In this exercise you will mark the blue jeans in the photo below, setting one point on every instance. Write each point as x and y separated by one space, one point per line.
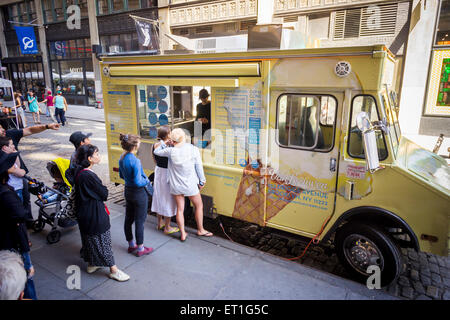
136 212
60 116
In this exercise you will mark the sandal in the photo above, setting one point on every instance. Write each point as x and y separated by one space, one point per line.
160 228
206 234
174 230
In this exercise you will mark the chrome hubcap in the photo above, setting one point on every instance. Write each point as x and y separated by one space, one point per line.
361 253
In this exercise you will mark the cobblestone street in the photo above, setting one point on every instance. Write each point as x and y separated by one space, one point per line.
425 277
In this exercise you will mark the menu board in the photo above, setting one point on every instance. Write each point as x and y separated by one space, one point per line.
238 118
121 115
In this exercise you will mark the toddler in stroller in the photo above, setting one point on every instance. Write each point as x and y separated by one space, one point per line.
52 201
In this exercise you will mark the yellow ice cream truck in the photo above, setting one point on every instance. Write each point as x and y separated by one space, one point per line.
305 141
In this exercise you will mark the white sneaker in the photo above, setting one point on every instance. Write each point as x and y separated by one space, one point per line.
119 276
92 269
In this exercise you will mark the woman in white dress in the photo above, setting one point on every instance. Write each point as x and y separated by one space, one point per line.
163 203
186 178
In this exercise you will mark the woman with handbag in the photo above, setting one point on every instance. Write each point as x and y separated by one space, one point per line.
13 232
136 193
92 215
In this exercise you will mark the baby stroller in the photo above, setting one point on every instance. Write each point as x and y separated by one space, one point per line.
52 201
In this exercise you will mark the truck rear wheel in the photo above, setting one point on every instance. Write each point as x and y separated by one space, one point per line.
359 246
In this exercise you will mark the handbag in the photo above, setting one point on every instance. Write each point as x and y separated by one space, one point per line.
69 209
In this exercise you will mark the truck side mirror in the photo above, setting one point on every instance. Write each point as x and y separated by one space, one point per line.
370 142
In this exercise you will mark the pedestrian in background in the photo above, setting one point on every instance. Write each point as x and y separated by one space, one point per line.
186 178
13 233
92 215
78 139
50 106
60 104
136 193
163 203
20 106
34 107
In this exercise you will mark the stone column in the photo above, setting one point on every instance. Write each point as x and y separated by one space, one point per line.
95 40
418 54
265 12
43 43
3 48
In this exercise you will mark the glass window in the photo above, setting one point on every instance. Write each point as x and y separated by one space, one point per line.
104 42
72 48
103 7
299 121
90 81
72 77
157 104
148 3
47 11
80 48
355 144
87 48
125 41
133 4
59 10
83 8
55 75
117 5
443 29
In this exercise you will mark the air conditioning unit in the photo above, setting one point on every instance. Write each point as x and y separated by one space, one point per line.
221 44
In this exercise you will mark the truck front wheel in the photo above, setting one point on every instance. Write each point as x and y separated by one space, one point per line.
360 246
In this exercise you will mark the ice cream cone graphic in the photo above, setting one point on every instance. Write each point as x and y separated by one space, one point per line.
260 195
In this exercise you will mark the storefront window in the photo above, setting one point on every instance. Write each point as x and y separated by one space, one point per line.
72 77
148 3
59 10
443 32
90 81
55 75
83 8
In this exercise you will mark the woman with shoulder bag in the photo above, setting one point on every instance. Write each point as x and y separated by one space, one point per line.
136 193
92 215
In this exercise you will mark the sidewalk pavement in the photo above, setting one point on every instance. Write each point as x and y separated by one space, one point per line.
198 269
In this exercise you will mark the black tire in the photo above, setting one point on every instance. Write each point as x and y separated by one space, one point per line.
374 247
54 236
38 225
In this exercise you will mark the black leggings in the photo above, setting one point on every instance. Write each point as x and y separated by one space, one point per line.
136 212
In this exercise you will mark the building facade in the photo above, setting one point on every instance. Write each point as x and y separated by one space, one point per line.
66 59
414 30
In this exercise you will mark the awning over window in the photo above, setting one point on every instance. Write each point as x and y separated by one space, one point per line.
207 70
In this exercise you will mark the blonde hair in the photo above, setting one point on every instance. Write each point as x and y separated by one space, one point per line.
178 135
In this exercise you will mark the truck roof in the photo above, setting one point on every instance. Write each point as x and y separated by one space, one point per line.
244 56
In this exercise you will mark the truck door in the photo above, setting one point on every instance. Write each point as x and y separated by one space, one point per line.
303 151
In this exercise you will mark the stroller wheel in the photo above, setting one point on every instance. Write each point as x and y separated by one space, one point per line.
38 225
54 236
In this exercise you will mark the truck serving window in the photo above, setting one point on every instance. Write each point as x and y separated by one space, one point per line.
355 144
306 121
174 106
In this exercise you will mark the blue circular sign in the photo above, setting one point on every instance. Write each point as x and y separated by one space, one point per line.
255 164
152 103
162 106
153 132
163 120
162 92
242 162
152 117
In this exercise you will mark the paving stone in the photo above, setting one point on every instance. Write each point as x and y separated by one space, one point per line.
432 259
394 289
423 262
436 278
408 292
425 272
422 297
426 281
447 282
404 281
446 295
413 255
441 262
418 287
415 265
433 292
434 268
415 275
